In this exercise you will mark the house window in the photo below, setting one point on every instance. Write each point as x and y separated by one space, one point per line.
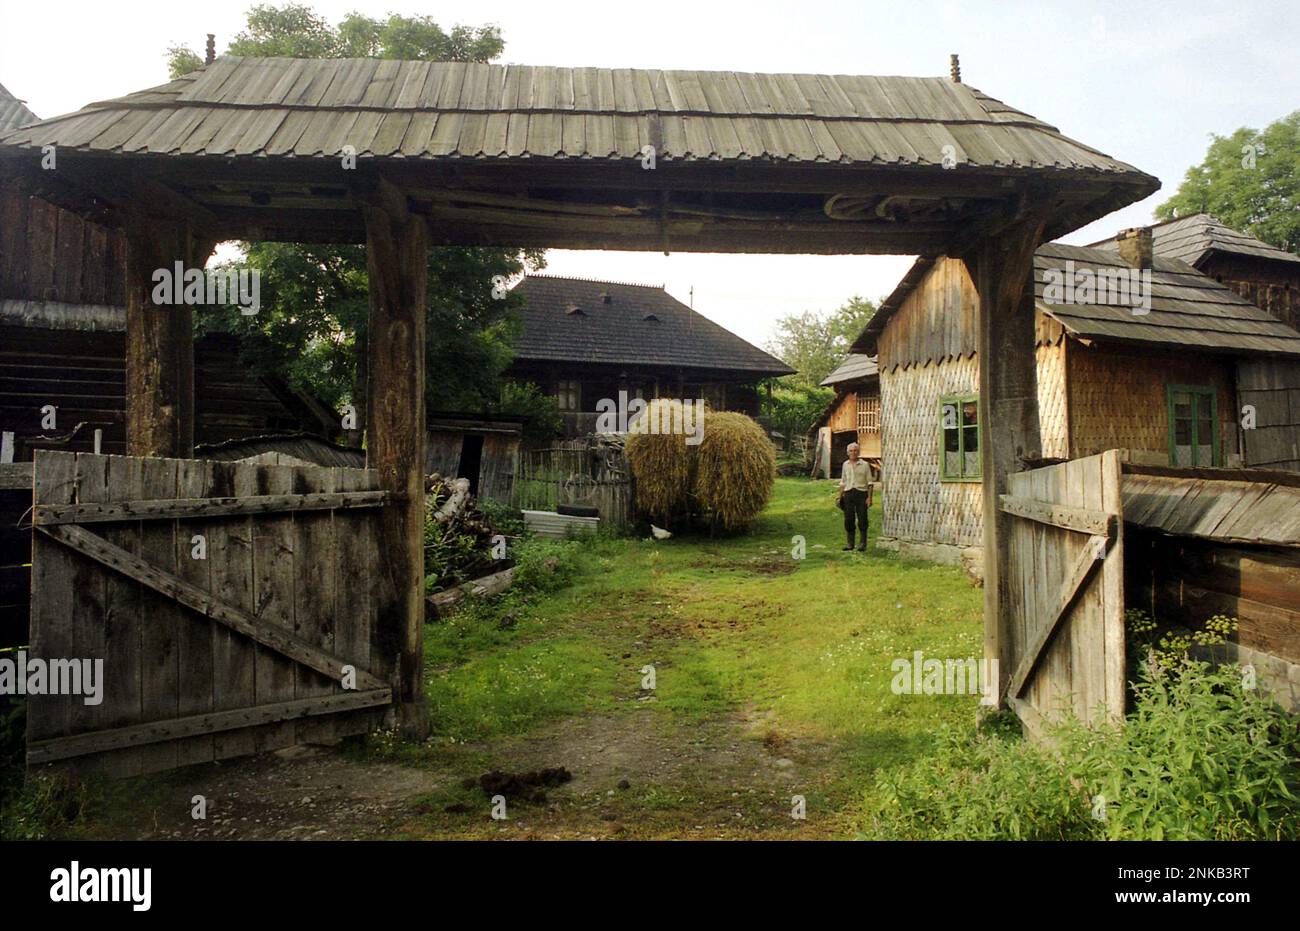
1193 426
567 393
959 431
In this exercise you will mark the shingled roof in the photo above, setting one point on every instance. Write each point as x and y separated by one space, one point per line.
420 109
1192 239
13 113
855 368
1189 309
579 320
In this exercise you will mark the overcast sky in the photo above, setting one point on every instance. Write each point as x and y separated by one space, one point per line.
1145 82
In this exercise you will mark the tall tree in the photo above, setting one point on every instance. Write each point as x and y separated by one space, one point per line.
814 345
314 298
1250 180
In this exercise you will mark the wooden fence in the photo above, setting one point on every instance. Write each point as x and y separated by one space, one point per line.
224 598
577 473
1063 645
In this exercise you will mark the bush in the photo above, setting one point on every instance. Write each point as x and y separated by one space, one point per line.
458 549
1199 757
544 565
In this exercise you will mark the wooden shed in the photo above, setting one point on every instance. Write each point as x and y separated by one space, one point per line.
1158 381
484 450
852 416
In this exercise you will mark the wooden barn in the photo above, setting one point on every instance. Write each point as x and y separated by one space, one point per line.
484 450
852 416
585 341
1162 384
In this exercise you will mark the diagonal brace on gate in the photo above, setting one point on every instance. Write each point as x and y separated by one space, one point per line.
237 619
1086 563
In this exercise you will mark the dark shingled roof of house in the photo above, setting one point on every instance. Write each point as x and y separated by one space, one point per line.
1191 239
855 368
579 320
1189 309
13 113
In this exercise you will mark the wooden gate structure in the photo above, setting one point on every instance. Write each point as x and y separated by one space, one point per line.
402 155
1062 648
224 598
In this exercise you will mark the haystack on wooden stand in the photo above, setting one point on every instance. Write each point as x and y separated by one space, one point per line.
476 154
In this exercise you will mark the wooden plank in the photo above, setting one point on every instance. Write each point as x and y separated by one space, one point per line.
97 633
315 564
356 555
1082 520
162 544
139 735
16 476
275 560
1115 667
234 658
1084 565
207 507
193 635
54 597
224 613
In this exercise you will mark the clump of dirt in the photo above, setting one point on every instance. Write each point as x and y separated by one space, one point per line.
528 786
762 565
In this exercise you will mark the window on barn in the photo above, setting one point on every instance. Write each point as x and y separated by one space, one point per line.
959 430
568 395
868 413
1193 426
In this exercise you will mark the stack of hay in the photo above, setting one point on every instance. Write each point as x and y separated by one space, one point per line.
724 480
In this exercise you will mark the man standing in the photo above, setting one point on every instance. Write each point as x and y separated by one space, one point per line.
855 495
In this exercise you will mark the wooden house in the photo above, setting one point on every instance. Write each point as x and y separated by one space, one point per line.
585 341
1160 383
852 416
1269 278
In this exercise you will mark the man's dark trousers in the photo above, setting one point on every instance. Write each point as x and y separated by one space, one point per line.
855 511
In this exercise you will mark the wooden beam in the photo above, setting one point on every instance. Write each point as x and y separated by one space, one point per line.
397 262
177 589
159 343
139 735
158 509
1059 515
1008 421
1085 564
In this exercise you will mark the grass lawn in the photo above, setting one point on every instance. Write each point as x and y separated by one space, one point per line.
771 680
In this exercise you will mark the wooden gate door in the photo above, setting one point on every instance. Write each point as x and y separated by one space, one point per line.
234 606
1064 649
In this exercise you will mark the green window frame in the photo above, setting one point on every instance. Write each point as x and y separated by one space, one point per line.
1193 409
959 438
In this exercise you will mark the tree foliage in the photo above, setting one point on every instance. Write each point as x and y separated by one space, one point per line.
314 298
814 345
1250 180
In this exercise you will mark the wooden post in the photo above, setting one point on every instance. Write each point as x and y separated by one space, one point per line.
396 258
1008 422
159 342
